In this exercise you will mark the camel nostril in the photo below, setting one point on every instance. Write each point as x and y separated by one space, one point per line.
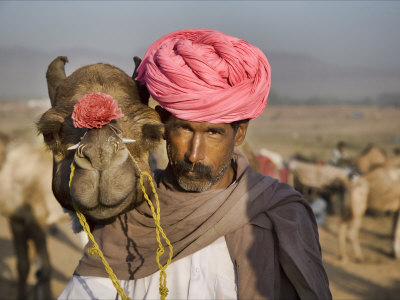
79 151
116 146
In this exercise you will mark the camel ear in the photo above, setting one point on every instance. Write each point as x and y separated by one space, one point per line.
152 134
142 89
137 60
55 75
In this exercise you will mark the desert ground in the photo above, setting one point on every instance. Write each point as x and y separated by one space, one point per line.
310 130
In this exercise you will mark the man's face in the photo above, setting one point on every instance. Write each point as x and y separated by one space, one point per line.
200 153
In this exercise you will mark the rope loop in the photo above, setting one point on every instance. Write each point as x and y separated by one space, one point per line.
156 216
93 251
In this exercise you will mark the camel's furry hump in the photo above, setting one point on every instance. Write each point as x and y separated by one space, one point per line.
25 180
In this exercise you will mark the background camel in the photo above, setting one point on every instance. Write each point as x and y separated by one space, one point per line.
370 158
330 182
28 203
379 190
316 180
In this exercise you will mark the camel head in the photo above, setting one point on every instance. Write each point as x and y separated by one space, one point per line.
370 158
107 160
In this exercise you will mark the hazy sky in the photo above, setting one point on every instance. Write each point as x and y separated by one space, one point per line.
354 33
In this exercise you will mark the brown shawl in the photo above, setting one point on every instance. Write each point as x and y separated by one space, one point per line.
270 232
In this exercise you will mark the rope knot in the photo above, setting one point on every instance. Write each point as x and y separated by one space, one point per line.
163 292
93 251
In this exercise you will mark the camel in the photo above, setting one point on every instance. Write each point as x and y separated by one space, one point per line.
378 189
28 204
106 182
97 171
317 176
370 158
314 180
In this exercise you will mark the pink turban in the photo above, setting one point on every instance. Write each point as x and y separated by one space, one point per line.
206 76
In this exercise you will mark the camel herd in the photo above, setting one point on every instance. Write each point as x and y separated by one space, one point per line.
32 183
375 185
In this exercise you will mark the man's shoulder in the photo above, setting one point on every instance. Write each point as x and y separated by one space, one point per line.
280 192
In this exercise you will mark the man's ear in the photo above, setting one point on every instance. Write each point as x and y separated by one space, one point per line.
164 114
241 133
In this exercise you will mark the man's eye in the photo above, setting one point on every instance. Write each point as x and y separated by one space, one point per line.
48 137
213 132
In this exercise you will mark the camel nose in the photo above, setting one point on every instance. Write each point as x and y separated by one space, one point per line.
98 149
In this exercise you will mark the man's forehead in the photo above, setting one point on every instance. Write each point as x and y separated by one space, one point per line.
176 121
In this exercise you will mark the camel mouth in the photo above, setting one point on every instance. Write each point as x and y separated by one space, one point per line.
102 194
105 214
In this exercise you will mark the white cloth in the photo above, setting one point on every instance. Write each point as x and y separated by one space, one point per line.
207 274
336 156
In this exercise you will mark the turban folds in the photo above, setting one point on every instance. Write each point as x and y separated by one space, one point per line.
206 76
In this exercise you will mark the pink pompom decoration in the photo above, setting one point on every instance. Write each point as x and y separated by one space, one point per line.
95 110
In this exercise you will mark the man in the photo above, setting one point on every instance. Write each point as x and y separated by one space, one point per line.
235 233
338 155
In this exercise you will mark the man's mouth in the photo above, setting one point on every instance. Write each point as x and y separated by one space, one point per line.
193 175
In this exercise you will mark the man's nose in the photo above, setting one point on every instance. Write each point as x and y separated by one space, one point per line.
196 150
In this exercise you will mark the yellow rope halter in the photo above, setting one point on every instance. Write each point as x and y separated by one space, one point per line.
160 250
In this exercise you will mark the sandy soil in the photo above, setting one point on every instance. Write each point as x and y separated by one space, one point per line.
376 278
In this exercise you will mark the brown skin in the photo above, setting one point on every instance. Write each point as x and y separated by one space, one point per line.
200 153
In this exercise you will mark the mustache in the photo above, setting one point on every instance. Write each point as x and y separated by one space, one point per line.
184 167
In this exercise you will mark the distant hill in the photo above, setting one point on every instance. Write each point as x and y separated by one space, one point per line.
302 77
296 78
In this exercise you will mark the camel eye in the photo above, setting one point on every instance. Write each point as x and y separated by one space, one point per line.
48 137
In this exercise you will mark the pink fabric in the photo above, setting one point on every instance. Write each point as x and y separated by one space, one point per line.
206 76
